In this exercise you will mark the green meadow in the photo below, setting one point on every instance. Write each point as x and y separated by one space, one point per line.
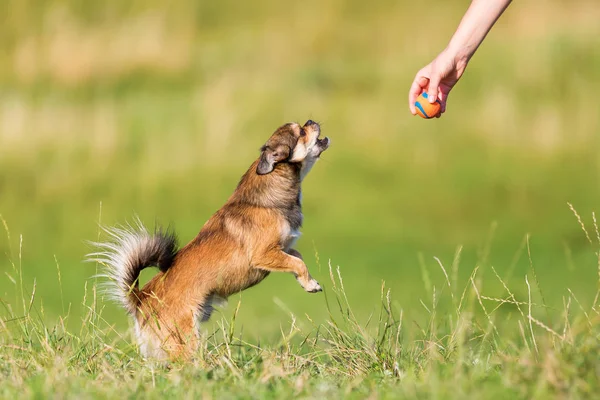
481 224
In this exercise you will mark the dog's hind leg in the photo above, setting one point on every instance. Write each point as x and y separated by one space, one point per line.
211 302
182 340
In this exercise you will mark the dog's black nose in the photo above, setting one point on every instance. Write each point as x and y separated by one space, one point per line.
310 122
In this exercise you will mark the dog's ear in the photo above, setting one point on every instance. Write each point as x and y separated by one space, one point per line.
269 157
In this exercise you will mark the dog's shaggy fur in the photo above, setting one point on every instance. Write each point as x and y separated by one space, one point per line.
250 236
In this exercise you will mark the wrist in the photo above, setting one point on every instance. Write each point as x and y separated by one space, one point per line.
460 54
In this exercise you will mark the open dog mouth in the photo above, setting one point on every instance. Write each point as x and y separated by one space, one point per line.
322 145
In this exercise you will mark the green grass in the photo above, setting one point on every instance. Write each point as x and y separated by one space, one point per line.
110 109
474 347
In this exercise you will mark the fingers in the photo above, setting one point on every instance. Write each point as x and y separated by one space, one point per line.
444 92
433 89
442 98
417 87
433 80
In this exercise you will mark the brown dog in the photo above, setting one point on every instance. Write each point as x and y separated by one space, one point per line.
252 235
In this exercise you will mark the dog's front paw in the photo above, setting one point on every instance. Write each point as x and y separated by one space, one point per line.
313 286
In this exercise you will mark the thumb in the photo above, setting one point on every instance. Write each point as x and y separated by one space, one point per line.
434 84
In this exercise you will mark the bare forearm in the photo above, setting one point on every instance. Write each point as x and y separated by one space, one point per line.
439 76
475 25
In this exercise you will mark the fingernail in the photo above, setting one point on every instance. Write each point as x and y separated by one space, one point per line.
432 98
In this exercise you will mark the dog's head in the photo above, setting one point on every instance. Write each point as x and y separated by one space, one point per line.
293 143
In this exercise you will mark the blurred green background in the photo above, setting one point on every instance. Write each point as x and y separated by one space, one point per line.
113 108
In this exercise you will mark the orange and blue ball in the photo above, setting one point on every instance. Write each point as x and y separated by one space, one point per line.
426 109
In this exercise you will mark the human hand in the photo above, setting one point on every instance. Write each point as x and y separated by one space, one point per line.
437 79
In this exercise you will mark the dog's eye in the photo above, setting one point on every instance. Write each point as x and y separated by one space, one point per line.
302 133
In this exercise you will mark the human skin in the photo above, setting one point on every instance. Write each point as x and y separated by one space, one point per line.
439 76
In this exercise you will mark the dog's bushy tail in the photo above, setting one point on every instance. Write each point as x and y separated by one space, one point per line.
129 250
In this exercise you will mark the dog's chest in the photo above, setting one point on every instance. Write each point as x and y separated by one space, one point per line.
289 238
292 222
290 231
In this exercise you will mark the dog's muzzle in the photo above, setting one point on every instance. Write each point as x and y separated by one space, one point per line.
323 144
